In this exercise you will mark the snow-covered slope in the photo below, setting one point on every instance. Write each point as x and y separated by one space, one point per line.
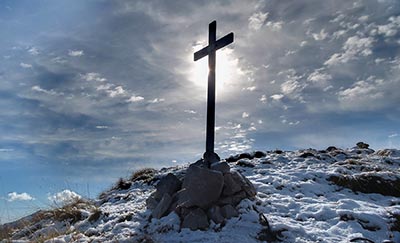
304 195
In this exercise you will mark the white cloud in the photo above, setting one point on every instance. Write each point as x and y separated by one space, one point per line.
93 77
118 91
393 135
391 28
290 87
101 127
245 115
362 95
257 20
353 47
263 99
25 65
59 60
320 36
41 90
275 26
33 51
319 78
6 150
135 98
277 96
104 87
75 53
251 88
190 111
363 18
157 100
13 196
64 197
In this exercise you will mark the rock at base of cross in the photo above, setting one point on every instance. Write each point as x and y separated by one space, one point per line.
205 194
210 157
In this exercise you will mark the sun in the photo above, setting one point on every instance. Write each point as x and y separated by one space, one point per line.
226 70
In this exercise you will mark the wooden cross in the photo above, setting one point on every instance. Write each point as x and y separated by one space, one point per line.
213 45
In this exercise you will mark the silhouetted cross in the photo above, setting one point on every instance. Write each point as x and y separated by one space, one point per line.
213 45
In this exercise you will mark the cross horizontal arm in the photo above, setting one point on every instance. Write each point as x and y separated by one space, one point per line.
200 54
224 41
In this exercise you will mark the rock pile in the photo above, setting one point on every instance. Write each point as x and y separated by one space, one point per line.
204 194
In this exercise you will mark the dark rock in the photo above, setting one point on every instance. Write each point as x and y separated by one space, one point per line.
246 185
306 155
259 154
230 185
223 167
228 211
195 219
278 151
210 157
238 197
331 148
202 187
246 156
168 184
214 213
162 206
151 202
362 145
232 158
245 163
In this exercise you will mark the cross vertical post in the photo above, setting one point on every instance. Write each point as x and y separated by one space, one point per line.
213 45
212 36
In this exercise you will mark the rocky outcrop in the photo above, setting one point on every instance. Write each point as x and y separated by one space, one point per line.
204 194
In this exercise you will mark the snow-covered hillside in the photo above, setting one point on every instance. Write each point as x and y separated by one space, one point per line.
334 195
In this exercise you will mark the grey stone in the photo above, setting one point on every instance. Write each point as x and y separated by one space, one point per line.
221 166
228 211
195 219
151 202
246 185
245 163
238 197
168 184
202 187
232 200
162 206
230 185
214 213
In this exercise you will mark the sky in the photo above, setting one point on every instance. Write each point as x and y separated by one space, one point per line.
93 90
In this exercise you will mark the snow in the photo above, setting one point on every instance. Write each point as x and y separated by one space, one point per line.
294 194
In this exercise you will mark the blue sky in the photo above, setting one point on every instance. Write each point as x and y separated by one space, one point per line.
92 90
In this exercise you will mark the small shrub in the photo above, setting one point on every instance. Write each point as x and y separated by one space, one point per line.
95 215
123 184
146 175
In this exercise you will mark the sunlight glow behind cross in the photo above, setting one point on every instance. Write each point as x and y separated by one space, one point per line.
226 72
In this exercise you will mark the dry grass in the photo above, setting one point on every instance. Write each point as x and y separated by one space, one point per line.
369 183
5 233
32 229
146 175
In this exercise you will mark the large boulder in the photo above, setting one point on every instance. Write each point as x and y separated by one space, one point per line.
201 187
214 214
195 219
168 184
246 185
223 167
162 207
230 185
